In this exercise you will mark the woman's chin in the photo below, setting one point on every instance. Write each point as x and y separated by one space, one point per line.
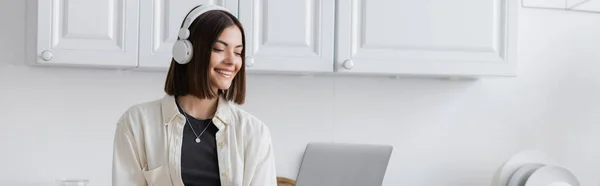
222 86
222 82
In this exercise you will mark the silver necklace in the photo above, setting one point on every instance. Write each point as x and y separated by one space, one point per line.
198 140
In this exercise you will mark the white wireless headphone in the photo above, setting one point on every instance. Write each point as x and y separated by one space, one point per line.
183 49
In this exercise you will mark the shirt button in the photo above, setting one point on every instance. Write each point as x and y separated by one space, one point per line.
221 144
224 174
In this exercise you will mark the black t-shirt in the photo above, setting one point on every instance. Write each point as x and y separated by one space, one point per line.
199 161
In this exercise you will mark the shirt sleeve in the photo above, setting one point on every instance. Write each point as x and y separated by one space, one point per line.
262 158
126 167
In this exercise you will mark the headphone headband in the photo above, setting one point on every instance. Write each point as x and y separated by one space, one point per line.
189 19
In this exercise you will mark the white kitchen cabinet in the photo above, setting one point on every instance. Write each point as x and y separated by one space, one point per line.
289 35
99 33
427 37
160 21
374 37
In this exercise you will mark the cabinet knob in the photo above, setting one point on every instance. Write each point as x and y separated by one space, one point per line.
348 64
249 61
46 55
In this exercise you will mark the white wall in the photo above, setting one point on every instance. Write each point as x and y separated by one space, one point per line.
447 133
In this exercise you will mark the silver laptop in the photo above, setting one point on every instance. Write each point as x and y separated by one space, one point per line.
343 164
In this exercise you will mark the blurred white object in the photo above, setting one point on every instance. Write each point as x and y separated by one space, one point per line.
73 182
552 176
533 168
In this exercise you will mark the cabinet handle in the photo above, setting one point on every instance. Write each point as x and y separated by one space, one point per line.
348 64
46 55
249 61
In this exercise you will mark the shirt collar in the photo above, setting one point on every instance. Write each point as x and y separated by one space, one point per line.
170 111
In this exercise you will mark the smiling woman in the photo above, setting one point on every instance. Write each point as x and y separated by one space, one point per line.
214 62
197 134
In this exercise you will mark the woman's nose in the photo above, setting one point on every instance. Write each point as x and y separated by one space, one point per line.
229 58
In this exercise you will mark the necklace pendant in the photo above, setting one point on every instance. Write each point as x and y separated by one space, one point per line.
198 140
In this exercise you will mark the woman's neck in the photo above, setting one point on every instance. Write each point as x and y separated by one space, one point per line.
198 108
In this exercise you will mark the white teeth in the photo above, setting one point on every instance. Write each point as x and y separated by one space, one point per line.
225 73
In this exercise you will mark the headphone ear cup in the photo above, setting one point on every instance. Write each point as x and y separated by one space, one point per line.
182 51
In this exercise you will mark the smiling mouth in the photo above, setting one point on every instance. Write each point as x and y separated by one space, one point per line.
224 73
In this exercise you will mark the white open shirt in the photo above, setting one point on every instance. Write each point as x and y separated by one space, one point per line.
147 146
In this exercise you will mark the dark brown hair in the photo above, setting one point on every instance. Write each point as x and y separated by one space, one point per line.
193 77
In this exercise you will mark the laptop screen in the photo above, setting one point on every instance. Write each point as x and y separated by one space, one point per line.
343 164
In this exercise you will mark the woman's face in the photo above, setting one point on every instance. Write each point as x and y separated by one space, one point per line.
225 59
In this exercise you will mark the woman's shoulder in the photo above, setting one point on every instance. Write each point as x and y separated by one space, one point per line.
247 121
244 116
136 111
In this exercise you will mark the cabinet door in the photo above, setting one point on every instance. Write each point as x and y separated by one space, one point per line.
160 22
100 33
427 37
288 35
